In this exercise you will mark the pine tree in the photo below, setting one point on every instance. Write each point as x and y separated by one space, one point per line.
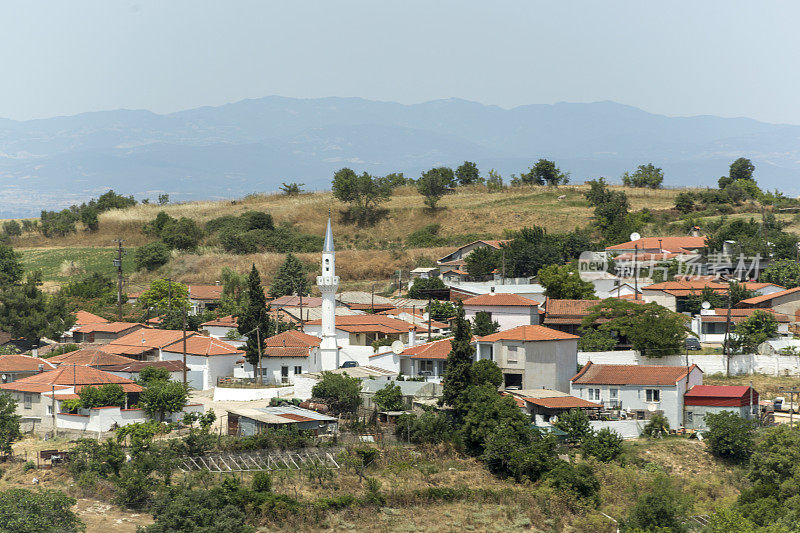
457 377
290 278
255 315
482 324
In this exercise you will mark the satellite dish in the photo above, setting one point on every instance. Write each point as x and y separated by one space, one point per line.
651 407
397 347
706 305
635 236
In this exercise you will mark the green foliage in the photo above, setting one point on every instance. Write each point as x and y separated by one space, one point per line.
291 278
485 410
151 256
494 181
291 189
91 287
728 520
58 223
441 310
60 350
255 316
730 436
41 511
596 340
432 427
339 391
27 312
12 228
653 330
657 427
486 372
364 193
233 299
426 237
102 396
458 374
467 174
103 459
742 169
9 423
644 176
151 374
519 452
434 183
563 282
182 234
579 480
254 231
605 445
262 482
531 249
420 285
544 172
163 199
481 262
164 294
766 238
389 398
754 330
160 397
783 272
482 324
684 202
11 270
28 466
662 508
575 423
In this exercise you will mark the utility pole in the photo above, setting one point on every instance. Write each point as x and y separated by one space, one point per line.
725 346
118 264
185 384
503 270
430 312
169 294
635 271
300 292
258 342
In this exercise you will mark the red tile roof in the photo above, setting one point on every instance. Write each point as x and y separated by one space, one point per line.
225 322
90 357
430 350
148 339
294 301
563 402
203 346
205 292
740 315
592 374
23 363
137 366
293 338
286 351
84 317
370 323
69 375
562 308
767 297
689 287
528 333
671 244
109 327
499 299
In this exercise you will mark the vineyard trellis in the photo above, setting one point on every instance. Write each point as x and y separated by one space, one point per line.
255 461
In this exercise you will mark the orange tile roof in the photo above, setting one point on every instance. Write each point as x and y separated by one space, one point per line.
137 366
204 346
90 357
671 244
125 350
569 307
767 297
23 363
84 317
690 287
109 327
205 292
592 374
370 323
528 333
646 256
499 299
293 338
70 375
286 351
294 301
225 322
148 338
430 350
19 386
739 315
563 402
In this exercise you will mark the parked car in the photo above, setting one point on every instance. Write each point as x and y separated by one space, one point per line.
349 364
692 343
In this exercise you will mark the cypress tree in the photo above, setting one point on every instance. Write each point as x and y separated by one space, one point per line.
457 377
290 278
255 315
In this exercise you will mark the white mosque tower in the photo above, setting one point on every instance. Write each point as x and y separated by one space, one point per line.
328 284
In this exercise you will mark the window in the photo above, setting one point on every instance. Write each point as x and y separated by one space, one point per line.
653 395
512 354
613 394
594 394
264 372
49 410
27 400
298 370
284 371
426 366
689 417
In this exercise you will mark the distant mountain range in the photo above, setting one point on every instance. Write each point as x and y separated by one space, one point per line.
254 145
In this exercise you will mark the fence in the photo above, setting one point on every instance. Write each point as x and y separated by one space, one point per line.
255 461
741 364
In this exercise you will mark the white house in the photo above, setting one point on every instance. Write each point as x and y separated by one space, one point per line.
428 360
532 357
710 324
286 355
638 390
783 301
225 328
208 359
508 310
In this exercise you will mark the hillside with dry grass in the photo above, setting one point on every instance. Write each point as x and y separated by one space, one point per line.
367 254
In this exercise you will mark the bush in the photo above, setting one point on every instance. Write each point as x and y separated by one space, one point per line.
262 482
662 508
605 445
42 511
28 466
730 436
432 427
151 256
578 479
526 454
575 423
182 234
657 427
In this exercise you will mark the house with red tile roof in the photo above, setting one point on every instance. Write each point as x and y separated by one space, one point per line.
702 400
208 359
428 360
144 344
673 294
638 390
710 324
543 404
531 357
363 330
18 366
286 355
225 328
457 258
786 302
93 357
687 244
104 332
507 309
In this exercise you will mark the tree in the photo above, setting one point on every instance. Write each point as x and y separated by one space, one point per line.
510 451
532 248
339 391
89 219
441 310
661 508
485 410
565 283
657 427
163 199
364 193
389 398
730 436
9 423
575 423
218 510
482 324
481 262
27 312
11 270
651 329
434 183
163 295
605 445
290 279
181 234
578 479
486 372
102 396
752 331
544 172
160 397
742 169
151 256
152 373
468 174
782 272
292 189
494 182
41 511
12 228
644 176
234 292
457 376
684 202
255 316
597 341
421 285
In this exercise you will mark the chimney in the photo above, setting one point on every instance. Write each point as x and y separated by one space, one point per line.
412 336
491 289
41 368
216 283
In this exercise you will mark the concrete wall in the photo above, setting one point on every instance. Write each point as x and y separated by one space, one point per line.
661 298
230 394
773 365
211 367
695 414
550 364
104 419
508 316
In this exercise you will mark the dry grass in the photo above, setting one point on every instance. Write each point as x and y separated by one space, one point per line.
767 386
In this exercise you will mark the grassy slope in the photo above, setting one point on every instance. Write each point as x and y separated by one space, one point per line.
368 253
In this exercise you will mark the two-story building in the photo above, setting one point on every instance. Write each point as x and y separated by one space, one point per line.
508 310
710 324
786 302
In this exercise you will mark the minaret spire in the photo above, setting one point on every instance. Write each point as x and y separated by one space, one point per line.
328 284
328 246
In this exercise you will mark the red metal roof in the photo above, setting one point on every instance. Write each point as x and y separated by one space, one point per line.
592 374
721 396
767 297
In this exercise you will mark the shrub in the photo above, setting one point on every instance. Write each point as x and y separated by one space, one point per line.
606 445
262 482
657 427
578 479
151 256
28 466
45 510
575 423
730 436
182 234
662 508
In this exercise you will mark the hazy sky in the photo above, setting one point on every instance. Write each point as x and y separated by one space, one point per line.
729 58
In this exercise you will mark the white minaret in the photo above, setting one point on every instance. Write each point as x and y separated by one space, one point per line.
328 284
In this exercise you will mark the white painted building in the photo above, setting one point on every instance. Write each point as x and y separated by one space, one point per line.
508 310
208 359
710 324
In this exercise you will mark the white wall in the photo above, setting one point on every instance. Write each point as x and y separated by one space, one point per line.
105 418
773 365
212 367
387 360
230 394
508 316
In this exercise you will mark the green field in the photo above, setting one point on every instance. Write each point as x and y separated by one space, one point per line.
61 264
